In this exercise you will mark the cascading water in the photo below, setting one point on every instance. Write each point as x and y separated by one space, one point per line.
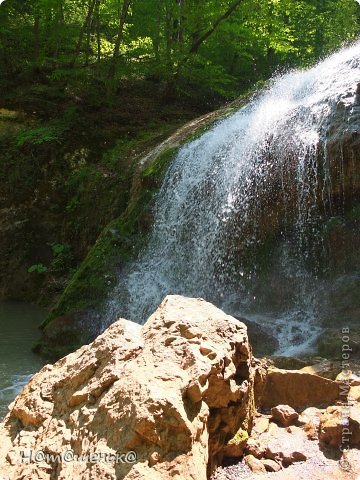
238 212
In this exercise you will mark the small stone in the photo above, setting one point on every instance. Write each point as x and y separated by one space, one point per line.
255 448
205 349
354 394
261 425
271 465
310 415
311 431
254 464
284 415
154 458
12 457
299 457
194 392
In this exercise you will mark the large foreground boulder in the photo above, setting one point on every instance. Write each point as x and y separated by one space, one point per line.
174 392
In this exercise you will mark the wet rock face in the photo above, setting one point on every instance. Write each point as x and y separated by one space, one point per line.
173 391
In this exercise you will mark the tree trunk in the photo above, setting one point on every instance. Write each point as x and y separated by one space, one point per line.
36 38
169 24
83 30
88 38
122 19
156 36
98 40
179 41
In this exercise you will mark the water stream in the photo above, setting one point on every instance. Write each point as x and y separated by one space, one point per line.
251 185
19 330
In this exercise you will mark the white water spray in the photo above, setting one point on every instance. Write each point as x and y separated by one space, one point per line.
225 194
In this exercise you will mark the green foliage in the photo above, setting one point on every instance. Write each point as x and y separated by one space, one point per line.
194 47
240 437
119 243
62 257
37 268
38 136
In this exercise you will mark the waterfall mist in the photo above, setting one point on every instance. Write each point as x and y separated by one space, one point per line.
239 215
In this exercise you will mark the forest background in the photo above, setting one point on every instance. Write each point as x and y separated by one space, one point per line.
89 85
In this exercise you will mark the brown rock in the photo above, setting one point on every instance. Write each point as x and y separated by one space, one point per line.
254 464
285 446
271 465
340 425
311 414
234 449
284 415
310 419
236 445
255 447
173 391
261 424
298 389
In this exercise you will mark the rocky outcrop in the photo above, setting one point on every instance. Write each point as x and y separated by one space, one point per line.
174 391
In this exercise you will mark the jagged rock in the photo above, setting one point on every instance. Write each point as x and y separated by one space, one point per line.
236 445
298 389
174 391
284 415
340 425
310 420
311 414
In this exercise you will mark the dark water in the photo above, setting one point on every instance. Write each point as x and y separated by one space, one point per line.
18 331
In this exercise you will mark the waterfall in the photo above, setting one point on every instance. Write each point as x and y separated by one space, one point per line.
237 217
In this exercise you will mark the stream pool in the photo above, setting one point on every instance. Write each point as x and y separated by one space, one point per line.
19 324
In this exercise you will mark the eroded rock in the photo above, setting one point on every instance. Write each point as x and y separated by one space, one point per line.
174 391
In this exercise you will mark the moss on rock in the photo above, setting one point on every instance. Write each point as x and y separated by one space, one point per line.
68 324
118 244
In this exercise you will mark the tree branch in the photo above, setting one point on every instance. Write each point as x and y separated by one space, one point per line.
196 44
